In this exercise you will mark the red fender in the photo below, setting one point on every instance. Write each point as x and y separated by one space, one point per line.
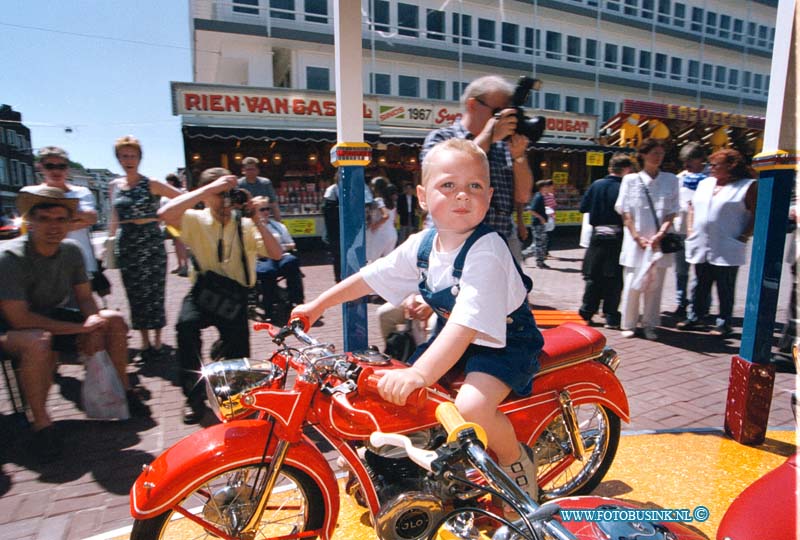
587 382
206 453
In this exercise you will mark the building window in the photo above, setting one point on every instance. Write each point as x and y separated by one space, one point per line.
720 77
12 169
434 23
609 110
757 80
381 84
663 11
762 36
631 8
3 171
746 81
458 89
679 14
645 62
751 33
318 78
707 73
612 5
317 11
697 19
462 26
647 9
738 29
675 69
510 37
486 33
661 66
282 9
628 59
591 52
2 138
724 26
552 102
408 86
693 75
436 89
533 41
248 7
407 20
573 49
711 23
572 104
28 175
380 15
733 79
611 56
552 41
589 106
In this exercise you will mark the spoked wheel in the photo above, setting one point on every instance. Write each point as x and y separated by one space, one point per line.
560 473
226 502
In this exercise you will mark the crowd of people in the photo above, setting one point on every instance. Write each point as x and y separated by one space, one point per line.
438 253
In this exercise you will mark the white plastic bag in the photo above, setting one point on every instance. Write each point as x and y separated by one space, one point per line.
102 393
550 225
586 231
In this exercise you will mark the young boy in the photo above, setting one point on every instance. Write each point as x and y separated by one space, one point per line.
466 273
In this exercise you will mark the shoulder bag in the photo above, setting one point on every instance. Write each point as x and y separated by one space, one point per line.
671 242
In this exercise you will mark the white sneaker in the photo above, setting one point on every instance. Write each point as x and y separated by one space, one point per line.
523 472
650 333
627 334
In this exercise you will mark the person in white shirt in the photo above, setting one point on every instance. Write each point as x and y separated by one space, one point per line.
288 266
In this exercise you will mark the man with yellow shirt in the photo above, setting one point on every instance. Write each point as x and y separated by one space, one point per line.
224 246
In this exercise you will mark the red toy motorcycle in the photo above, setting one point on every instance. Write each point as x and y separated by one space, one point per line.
260 474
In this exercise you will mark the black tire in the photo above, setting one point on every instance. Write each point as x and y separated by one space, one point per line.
600 429
293 486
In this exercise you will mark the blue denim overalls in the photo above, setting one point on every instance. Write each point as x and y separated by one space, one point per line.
518 361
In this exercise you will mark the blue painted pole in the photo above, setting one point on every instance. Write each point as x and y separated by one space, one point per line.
766 262
353 254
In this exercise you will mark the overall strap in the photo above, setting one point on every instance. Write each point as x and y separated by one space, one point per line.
425 247
458 264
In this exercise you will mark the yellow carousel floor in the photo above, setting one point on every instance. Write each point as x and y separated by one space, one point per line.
665 470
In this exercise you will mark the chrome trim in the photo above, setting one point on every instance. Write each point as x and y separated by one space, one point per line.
610 358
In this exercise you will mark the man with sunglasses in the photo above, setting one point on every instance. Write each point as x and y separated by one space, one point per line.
491 123
216 236
54 167
288 266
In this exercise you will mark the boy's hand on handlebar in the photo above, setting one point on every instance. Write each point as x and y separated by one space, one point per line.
309 311
396 384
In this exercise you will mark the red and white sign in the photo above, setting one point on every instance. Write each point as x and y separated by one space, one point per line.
294 105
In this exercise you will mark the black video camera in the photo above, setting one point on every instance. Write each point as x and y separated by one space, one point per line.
238 197
532 128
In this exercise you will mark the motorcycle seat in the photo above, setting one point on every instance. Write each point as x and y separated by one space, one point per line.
564 345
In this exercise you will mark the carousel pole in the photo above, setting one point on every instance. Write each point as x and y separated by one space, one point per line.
751 375
350 155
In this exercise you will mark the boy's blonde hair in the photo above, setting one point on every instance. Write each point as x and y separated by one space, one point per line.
453 145
209 175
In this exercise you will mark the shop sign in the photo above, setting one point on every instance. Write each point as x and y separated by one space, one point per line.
595 159
560 178
279 105
568 217
301 226
692 114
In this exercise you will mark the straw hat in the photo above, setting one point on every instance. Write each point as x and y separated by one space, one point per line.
43 194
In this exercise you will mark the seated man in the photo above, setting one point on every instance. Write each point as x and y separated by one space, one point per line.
288 266
41 273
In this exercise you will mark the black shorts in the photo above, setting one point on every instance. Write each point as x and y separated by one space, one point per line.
67 343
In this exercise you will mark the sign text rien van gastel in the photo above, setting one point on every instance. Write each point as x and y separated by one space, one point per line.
280 105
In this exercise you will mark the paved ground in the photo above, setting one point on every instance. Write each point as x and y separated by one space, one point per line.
678 382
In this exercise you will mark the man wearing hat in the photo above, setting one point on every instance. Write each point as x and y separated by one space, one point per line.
42 274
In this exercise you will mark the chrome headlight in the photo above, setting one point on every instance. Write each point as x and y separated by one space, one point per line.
610 358
228 380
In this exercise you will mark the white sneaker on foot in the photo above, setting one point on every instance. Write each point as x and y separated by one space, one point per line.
523 472
627 334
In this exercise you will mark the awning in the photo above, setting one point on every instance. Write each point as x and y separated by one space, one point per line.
575 147
242 133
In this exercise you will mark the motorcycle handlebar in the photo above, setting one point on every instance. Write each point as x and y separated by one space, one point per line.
454 423
368 382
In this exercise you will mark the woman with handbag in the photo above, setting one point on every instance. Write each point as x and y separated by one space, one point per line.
720 222
648 201
139 242
224 249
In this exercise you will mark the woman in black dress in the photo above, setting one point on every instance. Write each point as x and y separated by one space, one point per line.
140 249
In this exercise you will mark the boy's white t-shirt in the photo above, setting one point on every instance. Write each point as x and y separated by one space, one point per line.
490 287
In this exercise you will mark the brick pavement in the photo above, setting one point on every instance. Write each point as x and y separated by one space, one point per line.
678 382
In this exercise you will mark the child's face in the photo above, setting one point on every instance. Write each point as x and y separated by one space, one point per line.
457 192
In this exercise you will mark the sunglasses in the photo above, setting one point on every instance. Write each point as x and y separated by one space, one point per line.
264 209
55 166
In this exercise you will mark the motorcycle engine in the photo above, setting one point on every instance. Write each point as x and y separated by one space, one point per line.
409 516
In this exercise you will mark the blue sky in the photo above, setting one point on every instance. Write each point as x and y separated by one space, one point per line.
101 87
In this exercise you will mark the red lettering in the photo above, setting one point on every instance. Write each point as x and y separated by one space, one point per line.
265 105
216 103
191 101
204 101
298 106
232 103
445 117
314 108
329 108
251 102
281 106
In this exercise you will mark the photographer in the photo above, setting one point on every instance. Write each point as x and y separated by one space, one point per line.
491 121
224 248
